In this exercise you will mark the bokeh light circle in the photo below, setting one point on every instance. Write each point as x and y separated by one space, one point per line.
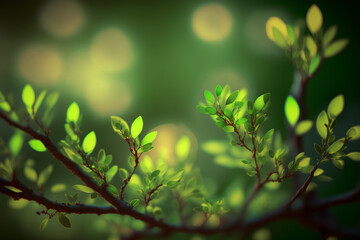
41 65
212 22
62 18
108 97
112 51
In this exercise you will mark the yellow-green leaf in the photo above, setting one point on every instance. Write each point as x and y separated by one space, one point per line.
83 188
314 19
318 172
336 146
136 127
336 106
28 96
354 156
321 121
120 126
37 145
59 187
275 22
30 173
311 45
335 47
73 113
149 138
353 133
292 110
279 38
39 101
44 223
303 127
329 35
89 142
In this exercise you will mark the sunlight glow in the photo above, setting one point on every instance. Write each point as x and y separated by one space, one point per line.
62 18
212 22
112 51
108 97
41 65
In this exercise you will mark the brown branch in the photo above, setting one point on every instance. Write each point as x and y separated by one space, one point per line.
28 194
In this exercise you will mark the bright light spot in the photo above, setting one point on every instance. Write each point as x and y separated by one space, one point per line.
168 137
112 51
62 18
212 22
108 97
236 197
262 234
41 65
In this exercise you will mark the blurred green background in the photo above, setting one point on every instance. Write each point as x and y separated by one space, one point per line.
155 58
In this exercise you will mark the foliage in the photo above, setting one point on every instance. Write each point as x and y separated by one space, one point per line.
259 153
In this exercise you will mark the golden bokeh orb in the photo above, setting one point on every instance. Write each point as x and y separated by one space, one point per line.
112 51
107 97
40 65
62 18
212 22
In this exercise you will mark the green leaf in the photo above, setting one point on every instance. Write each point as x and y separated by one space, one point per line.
149 138
134 203
120 126
314 19
101 155
83 188
269 134
113 190
176 176
110 174
73 113
64 220
279 38
353 133
44 223
318 148
335 47
131 161
5 106
89 142
28 97
37 145
44 175
303 127
321 121
146 147
261 101
318 172
59 187
291 34
210 110
292 110
18 204
314 64
232 97
155 173
336 106
39 100
336 146
15 143
338 163
354 156
123 173
251 173
209 97
218 90
136 127
51 100
182 148
30 173
329 35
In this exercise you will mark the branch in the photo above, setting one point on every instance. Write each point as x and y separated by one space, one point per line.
28 194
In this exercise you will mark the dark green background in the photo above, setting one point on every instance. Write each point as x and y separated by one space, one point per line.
171 71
